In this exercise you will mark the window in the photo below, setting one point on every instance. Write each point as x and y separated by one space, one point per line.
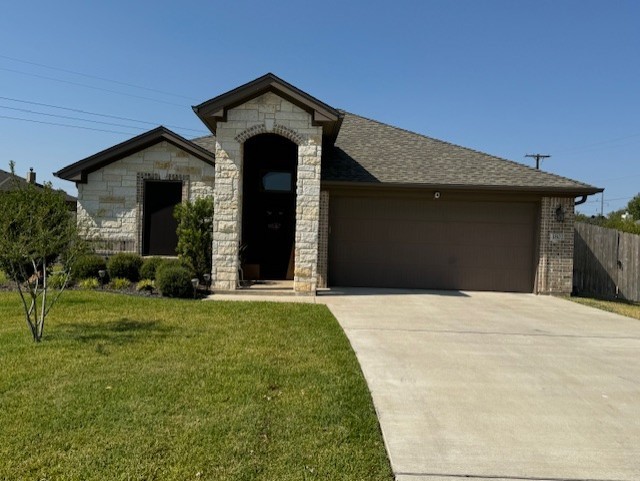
276 182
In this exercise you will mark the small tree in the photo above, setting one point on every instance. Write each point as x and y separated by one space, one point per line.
36 229
634 207
195 234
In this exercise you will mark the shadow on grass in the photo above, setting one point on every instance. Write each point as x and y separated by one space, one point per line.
117 332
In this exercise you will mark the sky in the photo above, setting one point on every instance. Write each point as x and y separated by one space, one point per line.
505 77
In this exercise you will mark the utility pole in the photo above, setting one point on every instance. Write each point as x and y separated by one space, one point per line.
538 158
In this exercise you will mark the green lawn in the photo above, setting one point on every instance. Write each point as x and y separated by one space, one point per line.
619 307
129 388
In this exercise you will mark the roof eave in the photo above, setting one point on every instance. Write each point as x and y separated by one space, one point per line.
542 190
78 171
215 110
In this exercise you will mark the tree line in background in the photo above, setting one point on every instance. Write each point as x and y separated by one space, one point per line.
625 220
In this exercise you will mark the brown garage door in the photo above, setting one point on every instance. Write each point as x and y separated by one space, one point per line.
424 243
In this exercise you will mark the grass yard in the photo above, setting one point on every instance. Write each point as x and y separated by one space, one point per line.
618 307
131 388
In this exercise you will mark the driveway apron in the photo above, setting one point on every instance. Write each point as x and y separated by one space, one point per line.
494 386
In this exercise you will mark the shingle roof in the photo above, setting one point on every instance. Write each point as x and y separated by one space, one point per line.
367 151
8 182
207 142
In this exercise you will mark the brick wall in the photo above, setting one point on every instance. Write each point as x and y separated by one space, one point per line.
555 265
267 113
110 204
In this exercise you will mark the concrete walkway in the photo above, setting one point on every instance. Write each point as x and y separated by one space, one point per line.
491 386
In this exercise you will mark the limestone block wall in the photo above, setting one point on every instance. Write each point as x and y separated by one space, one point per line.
110 204
555 265
267 113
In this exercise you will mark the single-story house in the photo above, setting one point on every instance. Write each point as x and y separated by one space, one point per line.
9 182
303 190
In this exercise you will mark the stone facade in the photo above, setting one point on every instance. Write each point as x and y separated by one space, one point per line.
267 113
555 263
110 204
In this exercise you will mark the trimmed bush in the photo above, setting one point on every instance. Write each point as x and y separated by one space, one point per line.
174 263
120 284
174 281
89 283
145 285
56 280
125 265
149 267
88 266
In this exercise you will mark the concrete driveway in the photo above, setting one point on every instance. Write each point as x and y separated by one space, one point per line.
492 386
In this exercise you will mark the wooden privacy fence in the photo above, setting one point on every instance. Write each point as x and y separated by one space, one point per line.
606 263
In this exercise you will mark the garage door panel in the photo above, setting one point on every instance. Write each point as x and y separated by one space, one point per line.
421 243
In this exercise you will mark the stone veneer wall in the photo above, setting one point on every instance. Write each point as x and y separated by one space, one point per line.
267 113
110 204
555 265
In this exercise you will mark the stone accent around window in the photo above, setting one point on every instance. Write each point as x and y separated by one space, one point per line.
555 264
110 204
267 113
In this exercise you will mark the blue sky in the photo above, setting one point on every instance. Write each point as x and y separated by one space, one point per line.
509 78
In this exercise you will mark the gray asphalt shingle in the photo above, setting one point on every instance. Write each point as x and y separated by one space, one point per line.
369 151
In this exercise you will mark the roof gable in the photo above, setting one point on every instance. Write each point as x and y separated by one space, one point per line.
215 110
78 171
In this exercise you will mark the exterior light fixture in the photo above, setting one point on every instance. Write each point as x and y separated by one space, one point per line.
102 273
559 213
194 283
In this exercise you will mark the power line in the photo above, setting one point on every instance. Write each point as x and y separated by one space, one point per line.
78 84
95 77
99 115
597 145
65 125
69 117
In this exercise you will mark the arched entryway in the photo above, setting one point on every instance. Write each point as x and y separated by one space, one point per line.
269 207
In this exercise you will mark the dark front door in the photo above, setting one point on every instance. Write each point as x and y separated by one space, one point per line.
159 235
269 205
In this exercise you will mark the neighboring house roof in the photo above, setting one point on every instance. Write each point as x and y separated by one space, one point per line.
367 151
78 171
207 142
8 182
214 110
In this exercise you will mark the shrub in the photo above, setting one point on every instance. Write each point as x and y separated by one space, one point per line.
120 283
89 283
174 281
56 280
88 266
145 285
4 280
126 265
149 267
195 231
166 263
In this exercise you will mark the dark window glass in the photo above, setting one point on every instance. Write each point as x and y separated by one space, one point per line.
277 182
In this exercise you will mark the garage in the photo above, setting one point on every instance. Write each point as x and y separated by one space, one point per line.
423 242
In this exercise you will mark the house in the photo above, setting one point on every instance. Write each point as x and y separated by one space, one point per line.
9 181
306 191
